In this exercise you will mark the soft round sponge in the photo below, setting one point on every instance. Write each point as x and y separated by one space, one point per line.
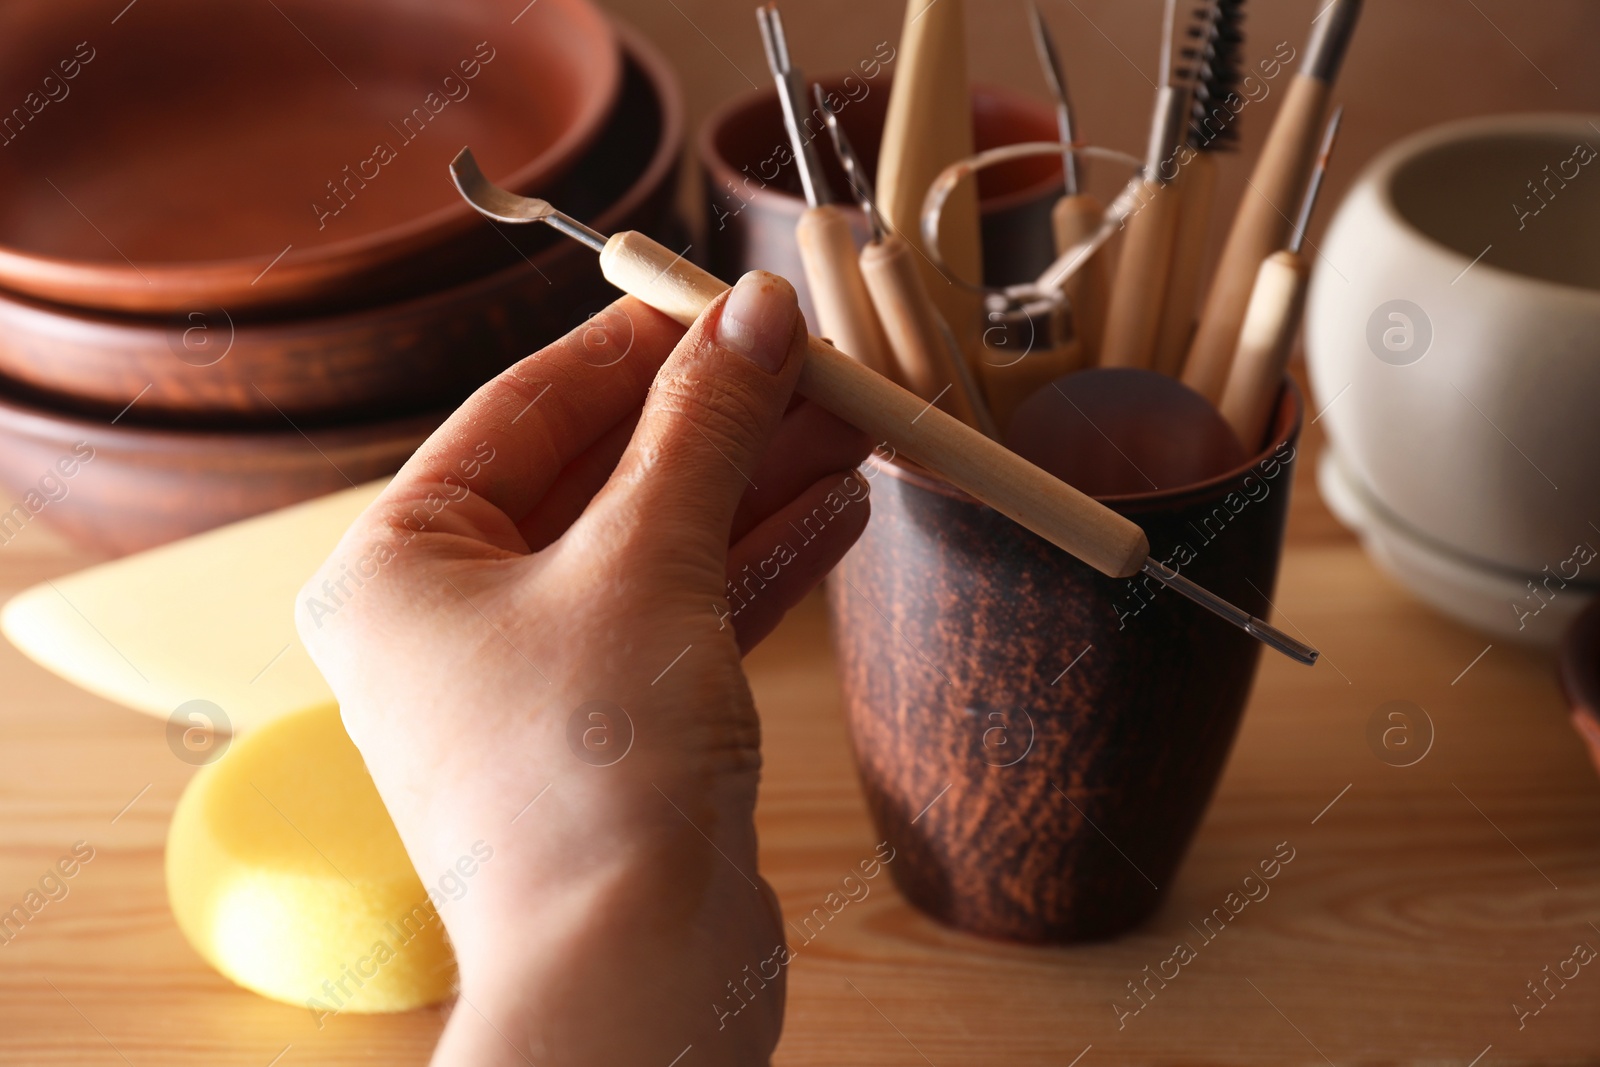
285 872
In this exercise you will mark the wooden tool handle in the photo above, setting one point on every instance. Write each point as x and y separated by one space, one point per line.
1260 228
922 347
1196 183
927 127
844 308
1265 340
1138 293
1073 219
1005 481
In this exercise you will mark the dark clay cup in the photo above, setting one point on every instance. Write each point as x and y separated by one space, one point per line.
1038 742
754 198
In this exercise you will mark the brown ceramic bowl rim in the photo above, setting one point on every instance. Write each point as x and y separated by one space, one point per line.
1291 410
773 197
669 97
21 419
1580 648
233 281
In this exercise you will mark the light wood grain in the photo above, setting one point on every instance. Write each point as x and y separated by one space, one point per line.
907 423
1260 227
1138 289
925 130
1196 184
1400 933
924 353
1073 219
845 314
1271 322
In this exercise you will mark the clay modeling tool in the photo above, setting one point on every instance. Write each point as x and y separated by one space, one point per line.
827 246
1045 347
1272 319
1078 524
1078 213
1213 127
1261 225
1138 292
929 126
930 362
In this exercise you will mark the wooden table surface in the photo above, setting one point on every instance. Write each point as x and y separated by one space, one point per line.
1419 902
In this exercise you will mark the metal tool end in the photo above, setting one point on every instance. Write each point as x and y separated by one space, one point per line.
1308 204
1179 70
1261 630
1331 31
502 205
791 98
1055 77
854 172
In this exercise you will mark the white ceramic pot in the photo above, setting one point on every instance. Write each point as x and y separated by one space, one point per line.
1453 337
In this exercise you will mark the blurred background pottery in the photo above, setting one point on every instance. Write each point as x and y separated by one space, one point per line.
418 354
199 420
301 175
754 196
134 487
1451 341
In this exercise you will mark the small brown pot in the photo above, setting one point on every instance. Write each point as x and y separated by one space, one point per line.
1037 741
753 192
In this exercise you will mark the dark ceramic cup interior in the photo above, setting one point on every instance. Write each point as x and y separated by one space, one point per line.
754 197
1037 741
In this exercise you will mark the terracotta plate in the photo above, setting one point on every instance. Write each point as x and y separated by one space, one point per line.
190 154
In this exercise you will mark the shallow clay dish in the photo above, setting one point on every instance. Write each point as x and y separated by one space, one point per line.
119 489
288 154
204 368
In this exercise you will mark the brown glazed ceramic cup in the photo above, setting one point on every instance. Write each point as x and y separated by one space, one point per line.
753 191
1037 741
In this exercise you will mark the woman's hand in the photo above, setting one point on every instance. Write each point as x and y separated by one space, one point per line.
535 640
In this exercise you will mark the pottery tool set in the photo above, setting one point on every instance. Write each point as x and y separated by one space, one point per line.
902 317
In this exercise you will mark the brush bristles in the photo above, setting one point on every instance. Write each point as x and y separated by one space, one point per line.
1219 50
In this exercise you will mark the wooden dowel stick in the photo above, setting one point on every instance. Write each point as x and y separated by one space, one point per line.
1138 291
1073 219
944 444
1260 228
844 308
1265 340
1195 184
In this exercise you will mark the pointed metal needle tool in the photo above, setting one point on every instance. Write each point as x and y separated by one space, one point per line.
1108 542
1050 64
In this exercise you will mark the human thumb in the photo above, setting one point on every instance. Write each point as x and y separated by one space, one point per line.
709 417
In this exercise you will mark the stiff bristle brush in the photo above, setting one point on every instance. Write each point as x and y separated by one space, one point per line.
1213 126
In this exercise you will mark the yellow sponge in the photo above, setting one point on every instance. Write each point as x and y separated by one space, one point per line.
285 872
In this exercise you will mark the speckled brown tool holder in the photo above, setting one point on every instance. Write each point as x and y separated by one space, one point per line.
1037 741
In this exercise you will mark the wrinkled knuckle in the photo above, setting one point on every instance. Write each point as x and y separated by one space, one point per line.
728 413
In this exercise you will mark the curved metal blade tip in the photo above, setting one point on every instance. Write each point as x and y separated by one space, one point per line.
489 199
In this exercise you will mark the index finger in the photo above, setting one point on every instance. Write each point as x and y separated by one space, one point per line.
537 416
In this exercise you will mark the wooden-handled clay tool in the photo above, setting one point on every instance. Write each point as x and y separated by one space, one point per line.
1040 350
930 362
1011 485
1077 214
927 127
1261 225
827 244
1213 127
1138 291
1272 319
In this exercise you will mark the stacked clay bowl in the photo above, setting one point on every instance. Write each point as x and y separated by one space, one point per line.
233 267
